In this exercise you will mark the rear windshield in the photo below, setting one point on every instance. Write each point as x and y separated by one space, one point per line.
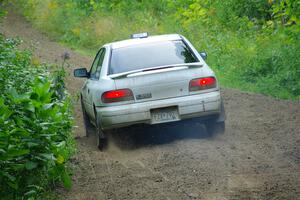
150 55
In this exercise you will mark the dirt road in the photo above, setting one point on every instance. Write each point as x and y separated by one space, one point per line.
257 158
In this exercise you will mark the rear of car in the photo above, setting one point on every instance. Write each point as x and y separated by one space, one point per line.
150 80
169 82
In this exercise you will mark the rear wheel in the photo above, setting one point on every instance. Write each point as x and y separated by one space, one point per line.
216 125
213 127
86 121
102 142
101 135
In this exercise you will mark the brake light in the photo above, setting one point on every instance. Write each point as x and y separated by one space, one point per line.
202 83
117 96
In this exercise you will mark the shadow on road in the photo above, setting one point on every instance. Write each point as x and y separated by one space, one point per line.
142 136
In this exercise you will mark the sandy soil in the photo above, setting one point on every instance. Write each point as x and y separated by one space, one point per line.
257 158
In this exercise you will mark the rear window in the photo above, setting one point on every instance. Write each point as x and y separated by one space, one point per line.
150 55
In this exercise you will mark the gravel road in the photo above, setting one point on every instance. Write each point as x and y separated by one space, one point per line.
257 158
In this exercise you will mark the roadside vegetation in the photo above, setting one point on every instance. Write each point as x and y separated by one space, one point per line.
35 125
252 45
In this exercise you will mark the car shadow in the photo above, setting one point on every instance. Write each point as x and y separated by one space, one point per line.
146 136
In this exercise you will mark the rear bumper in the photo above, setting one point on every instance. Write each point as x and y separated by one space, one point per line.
192 106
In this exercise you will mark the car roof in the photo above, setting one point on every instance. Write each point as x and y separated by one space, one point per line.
150 39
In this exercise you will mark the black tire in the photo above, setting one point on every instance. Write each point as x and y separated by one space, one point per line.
216 125
101 135
86 121
102 142
213 127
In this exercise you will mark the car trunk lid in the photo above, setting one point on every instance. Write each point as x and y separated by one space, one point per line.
161 83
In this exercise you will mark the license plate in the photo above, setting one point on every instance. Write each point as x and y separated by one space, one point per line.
161 115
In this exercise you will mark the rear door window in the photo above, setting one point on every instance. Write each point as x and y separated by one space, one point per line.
150 55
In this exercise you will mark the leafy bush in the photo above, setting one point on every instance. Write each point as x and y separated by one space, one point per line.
35 126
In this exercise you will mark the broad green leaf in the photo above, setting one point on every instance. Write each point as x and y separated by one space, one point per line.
13 185
29 107
48 156
66 180
17 152
10 177
29 165
60 159
30 193
17 166
48 106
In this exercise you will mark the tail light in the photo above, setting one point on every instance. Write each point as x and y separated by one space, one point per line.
202 83
117 96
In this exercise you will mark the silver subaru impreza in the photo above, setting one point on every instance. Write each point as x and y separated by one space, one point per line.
149 80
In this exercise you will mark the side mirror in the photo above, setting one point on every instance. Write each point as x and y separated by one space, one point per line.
203 55
81 73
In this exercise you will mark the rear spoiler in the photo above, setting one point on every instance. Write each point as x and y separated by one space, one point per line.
183 65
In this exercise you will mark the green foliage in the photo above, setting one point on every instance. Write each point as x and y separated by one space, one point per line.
35 125
287 12
2 11
252 45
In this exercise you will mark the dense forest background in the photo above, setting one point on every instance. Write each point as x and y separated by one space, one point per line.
252 45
